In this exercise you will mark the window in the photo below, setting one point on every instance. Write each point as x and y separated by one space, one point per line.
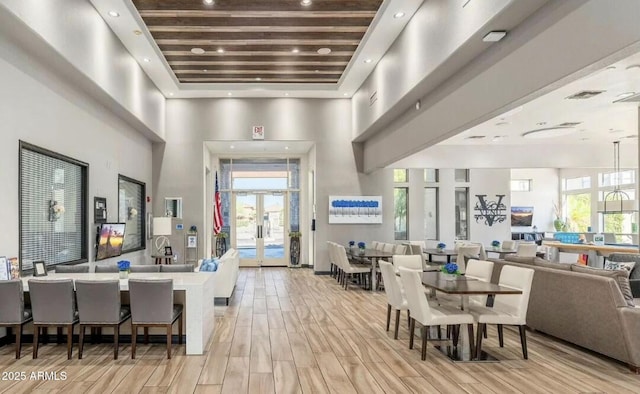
431 212
617 178
621 224
400 204
578 211
131 211
521 185
52 202
462 212
583 182
462 175
431 175
400 176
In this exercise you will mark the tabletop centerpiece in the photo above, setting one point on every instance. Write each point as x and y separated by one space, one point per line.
450 271
124 267
361 246
352 244
440 247
495 244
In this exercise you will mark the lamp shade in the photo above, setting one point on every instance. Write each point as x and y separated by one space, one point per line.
618 206
162 226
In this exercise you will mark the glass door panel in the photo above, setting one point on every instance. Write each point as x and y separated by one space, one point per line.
273 229
246 240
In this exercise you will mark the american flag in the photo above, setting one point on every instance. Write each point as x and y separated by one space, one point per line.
217 210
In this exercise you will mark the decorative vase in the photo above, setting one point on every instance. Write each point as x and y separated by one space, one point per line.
450 276
221 246
558 224
440 250
361 251
124 274
294 251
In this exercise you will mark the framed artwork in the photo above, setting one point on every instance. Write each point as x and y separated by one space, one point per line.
4 269
168 251
100 209
39 268
192 241
355 209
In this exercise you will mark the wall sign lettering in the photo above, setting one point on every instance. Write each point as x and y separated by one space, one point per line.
490 211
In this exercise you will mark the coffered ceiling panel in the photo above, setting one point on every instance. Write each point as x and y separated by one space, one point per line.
240 41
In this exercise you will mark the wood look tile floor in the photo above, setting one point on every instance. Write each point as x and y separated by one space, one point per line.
289 331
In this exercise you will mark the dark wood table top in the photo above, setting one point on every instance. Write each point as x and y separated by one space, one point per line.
500 250
368 253
446 252
463 285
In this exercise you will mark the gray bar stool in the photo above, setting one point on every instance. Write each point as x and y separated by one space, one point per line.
100 269
72 269
12 311
53 304
99 306
145 268
152 306
177 268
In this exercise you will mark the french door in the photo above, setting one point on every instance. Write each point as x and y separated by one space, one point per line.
260 235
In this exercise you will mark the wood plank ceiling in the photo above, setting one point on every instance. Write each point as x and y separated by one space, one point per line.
259 41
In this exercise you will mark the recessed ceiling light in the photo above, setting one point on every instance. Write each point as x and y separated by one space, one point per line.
232 147
137 32
295 50
208 2
345 94
418 104
305 2
317 71
205 70
170 94
220 50
286 94
494 36
286 148
114 14
146 60
368 60
541 123
398 15
633 66
324 51
258 79
229 94
625 95
197 51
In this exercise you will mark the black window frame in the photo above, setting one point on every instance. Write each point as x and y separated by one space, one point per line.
142 213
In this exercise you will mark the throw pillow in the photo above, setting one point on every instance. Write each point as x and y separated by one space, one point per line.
618 265
215 264
621 277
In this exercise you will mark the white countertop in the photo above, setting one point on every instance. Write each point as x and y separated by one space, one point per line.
181 280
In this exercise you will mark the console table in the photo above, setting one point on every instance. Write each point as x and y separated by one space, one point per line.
593 251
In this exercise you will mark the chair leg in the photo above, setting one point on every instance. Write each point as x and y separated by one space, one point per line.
412 330
481 327
388 316
134 335
81 341
146 335
36 333
484 332
395 333
180 330
227 301
69 341
116 340
472 348
59 334
455 329
500 335
523 341
17 329
424 342
408 317
169 341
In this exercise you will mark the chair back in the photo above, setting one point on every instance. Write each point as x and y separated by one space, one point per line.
399 249
527 250
106 268
341 257
332 254
145 268
431 243
98 301
380 246
411 262
177 268
374 245
52 301
415 249
482 253
151 300
482 271
415 295
508 244
391 285
464 253
515 304
388 248
12 305
71 269
457 244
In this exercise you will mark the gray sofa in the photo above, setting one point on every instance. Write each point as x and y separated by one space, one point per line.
581 308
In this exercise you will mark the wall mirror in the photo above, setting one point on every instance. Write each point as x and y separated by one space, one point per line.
173 207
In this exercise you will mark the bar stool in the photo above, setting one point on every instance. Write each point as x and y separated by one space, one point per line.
71 269
12 311
99 306
145 268
177 268
152 306
100 269
53 304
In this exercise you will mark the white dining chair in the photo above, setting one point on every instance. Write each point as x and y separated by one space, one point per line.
527 250
395 295
350 269
374 245
480 270
399 249
508 309
380 246
430 315
464 253
509 244
411 262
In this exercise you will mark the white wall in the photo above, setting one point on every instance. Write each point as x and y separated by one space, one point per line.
544 193
39 108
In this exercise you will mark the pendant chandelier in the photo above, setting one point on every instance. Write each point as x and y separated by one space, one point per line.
616 201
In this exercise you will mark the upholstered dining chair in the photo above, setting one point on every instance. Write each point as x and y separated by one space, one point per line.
100 269
527 250
464 253
145 268
508 309
71 269
429 315
152 306
53 305
177 268
374 245
12 311
482 271
350 269
395 295
99 306
509 244
412 262
399 249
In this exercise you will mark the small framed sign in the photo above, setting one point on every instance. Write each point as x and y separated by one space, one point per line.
258 132
39 268
192 241
168 251
4 269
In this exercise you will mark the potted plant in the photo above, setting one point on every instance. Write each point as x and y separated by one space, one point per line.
495 243
441 247
450 271
294 248
124 267
361 246
352 244
221 243
558 223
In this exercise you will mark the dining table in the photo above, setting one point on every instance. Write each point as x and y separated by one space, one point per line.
372 255
430 252
464 287
501 252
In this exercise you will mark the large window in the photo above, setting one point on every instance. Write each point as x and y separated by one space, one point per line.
521 185
131 211
431 175
400 176
617 178
462 212
583 182
431 213
52 203
400 203
578 211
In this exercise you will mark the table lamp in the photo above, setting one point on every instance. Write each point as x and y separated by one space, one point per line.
161 228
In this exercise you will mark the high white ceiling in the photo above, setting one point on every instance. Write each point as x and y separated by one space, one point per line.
601 119
383 31
259 147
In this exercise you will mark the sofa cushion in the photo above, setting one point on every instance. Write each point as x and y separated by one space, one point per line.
621 277
549 264
615 265
519 259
